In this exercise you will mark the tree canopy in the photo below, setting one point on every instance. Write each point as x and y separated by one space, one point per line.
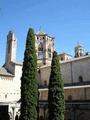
29 86
56 104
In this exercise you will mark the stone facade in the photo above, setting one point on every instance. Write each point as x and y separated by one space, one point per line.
75 73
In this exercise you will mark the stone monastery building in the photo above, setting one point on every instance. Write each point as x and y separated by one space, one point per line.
75 72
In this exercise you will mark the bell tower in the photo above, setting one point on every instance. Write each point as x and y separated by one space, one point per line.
79 51
11 48
44 48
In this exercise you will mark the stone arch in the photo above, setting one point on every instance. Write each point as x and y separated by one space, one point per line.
82 116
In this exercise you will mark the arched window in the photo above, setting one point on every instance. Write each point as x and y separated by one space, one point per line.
45 83
49 51
41 118
40 51
5 95
40 47
80 79
70 97
61 58
16 118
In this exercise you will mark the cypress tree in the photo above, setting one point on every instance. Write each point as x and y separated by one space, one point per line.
29 86
56 91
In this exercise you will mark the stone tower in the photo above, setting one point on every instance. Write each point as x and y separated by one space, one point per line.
11 47
79 51
44 48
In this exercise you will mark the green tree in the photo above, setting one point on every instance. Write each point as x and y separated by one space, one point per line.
29 86
56 104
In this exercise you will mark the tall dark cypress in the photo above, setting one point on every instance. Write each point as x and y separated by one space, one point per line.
29 87
56 104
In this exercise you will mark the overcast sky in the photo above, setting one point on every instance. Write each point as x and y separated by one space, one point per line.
66 20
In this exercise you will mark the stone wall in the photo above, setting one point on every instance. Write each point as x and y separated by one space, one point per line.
73 71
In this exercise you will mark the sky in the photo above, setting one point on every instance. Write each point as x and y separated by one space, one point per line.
66 20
